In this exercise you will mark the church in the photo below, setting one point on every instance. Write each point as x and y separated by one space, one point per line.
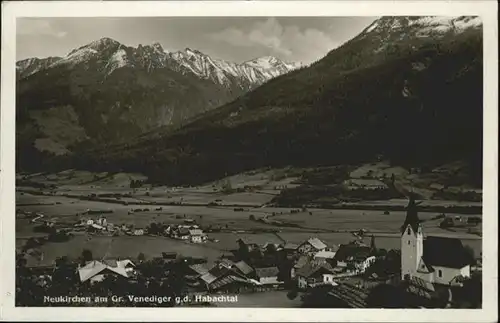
434 259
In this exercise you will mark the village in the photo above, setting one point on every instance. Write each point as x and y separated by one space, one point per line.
423 272
82 234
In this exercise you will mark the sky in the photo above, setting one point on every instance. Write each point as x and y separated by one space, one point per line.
236 39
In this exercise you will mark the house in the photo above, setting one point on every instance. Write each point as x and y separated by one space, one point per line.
169 255
324 255
182 233
253 242
244 268
311 246
199 269
226 263
354 257
267 275
247 245
301 262
125 263
221 278
138 232
272 246
167 230
433 259
95 271
102 221
197 236
290 248
314 273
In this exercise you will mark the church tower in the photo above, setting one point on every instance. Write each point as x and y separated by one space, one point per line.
412 241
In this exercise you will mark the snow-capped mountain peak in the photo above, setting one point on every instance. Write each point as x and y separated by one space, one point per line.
423 26
110 55
264 62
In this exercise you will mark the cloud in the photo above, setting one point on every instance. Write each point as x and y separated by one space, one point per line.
37 26
290 41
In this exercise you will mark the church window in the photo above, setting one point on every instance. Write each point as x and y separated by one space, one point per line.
408 241
409 231
440 273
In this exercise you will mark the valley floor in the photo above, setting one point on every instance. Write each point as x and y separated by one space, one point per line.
225 216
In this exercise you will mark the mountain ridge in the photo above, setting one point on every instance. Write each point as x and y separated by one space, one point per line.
274 67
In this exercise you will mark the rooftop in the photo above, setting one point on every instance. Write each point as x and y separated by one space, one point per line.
445 252
352 251
313 267
267 272
316 243
243 267
325 254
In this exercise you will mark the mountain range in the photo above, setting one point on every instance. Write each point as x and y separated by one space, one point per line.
408 89
106 91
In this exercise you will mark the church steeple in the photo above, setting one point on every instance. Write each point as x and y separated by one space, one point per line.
411 215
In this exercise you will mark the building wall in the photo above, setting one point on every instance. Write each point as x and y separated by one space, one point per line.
411 251
465 271
328 278
196 239
367 263
444 275
305 248
268 280
302 282
428 277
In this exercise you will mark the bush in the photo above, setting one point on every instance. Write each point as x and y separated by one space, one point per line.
292 294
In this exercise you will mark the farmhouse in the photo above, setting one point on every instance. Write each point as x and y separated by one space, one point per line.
315 273
433 259
311 246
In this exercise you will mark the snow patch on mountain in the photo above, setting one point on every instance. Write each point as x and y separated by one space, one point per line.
119 59
256 71
422 26
76 57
